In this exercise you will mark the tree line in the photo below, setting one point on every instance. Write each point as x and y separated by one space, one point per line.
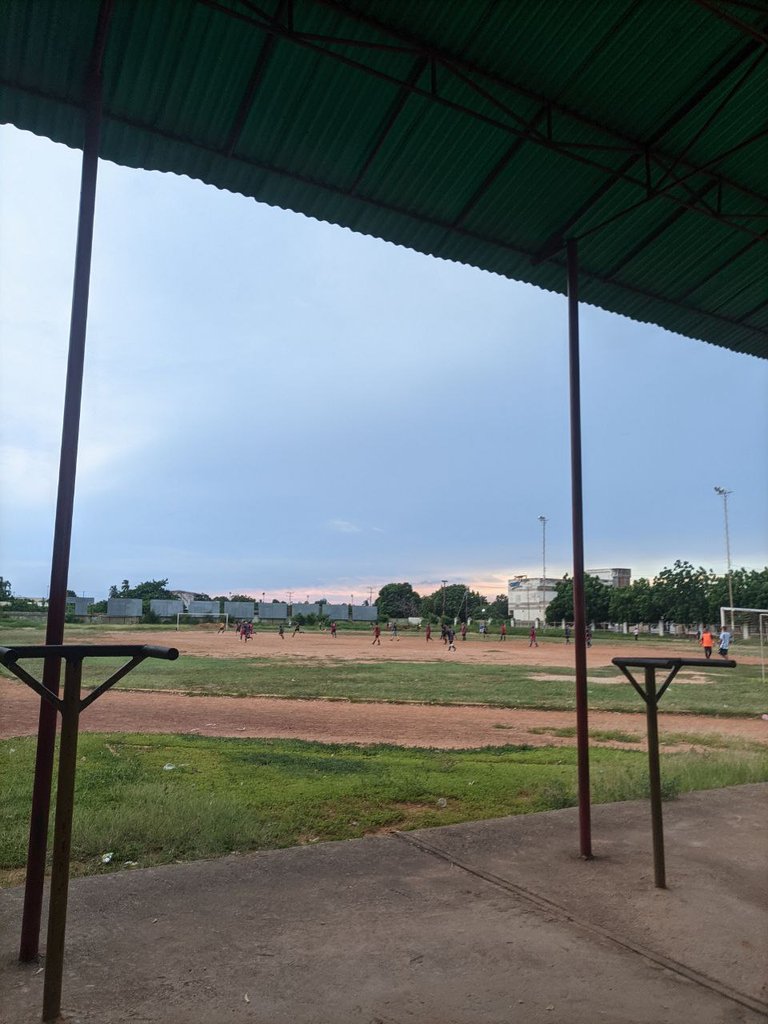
457 601
682 594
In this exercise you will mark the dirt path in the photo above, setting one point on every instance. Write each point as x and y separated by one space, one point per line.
343 722
412 646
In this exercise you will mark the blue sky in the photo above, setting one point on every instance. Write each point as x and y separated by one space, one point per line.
274 404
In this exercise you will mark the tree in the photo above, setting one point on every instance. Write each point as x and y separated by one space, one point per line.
398 601
498 609
621 605
5 589
596 599
454 602
682 593
151 590
147 591
645 599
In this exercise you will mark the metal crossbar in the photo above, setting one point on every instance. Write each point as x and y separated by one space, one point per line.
651 696
70 706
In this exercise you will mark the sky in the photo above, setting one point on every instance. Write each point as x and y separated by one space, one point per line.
272 404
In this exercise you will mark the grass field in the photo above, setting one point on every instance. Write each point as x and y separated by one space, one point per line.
156 799
736 692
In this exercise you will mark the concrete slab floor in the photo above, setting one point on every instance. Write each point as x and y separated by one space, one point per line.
488 922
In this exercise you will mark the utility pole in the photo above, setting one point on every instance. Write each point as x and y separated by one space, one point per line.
543 521
444 583
724 495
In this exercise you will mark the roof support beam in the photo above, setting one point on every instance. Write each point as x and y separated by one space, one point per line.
659 230
737 85
65 499
469 75
260 67
577 524
739 23
715 80
394 112
714 272
335 190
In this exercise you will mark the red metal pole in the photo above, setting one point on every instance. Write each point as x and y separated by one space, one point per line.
62 842
46 735
579 612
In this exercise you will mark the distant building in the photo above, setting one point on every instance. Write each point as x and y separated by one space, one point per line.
184 595
529 597
612 577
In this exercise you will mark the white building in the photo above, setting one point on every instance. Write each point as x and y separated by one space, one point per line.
529 597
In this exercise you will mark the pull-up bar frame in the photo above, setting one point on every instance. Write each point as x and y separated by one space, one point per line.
70 708
652 696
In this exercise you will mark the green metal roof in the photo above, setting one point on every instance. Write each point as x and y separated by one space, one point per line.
483 131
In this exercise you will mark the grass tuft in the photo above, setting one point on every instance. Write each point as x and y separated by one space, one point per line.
157 799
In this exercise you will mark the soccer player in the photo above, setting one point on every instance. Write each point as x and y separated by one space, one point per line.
376 635
706 642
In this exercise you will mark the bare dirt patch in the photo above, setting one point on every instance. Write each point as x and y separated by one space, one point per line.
412 646
338 721
343 722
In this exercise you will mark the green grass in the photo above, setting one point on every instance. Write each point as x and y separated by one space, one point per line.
730 693
733 692
223 796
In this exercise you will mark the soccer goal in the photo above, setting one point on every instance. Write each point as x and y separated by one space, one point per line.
750 624
214 619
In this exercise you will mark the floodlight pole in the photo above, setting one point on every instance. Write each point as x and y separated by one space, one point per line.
62 536
543 521
724 495
579 609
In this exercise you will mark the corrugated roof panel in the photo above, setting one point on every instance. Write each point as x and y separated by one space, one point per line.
414 130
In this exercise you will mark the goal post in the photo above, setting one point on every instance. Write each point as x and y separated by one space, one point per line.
211 618
751 624
746 622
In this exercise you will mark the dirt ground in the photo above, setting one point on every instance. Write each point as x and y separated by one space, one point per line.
344 722
411 646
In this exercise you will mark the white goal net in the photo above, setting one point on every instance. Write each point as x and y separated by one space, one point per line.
748 625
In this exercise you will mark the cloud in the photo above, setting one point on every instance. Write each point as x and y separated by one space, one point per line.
343 526
34 473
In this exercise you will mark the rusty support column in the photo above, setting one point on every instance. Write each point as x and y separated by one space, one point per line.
62 536
62 841
654 778
579 615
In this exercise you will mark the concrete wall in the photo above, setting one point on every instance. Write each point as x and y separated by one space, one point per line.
305 609
203 608
166 608
273 611
336 611
364 613
124 607
240 609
